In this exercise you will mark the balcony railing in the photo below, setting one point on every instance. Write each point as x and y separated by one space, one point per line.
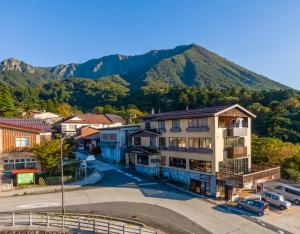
236 152
198 129
236 132
177 129
189 150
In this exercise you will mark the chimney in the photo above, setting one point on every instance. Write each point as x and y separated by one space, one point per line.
152 111
187 107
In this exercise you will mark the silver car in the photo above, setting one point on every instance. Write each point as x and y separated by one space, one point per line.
290 193
275 199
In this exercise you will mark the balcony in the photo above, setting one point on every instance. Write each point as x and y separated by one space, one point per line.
236 152
177 129
235 132
256 175
198 129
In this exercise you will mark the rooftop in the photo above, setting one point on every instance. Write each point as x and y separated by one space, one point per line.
31 124
200 112
94 119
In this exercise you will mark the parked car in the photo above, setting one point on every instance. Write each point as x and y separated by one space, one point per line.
254 206
276 200
291 194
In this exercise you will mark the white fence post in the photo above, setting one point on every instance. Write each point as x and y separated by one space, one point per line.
48 220
30 219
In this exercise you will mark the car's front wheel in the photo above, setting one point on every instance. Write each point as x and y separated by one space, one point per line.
260 214
297 202
282 207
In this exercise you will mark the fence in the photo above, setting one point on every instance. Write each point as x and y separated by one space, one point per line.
72 221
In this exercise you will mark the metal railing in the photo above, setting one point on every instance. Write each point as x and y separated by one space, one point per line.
72 221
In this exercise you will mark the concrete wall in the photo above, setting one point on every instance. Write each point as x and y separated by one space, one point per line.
147 170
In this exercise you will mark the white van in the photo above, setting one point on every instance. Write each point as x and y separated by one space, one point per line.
290 193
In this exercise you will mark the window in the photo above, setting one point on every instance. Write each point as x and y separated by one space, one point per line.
113 137
147 125
162 142
142 159
292 191
200 143
235 166
22 141
234 142
177 162
196 123
175 123
64 127
72 127
177 142
163 160
199 165
137 141
161 124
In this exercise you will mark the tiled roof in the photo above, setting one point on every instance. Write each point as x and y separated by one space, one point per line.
114 118
200 112
25 123
88 119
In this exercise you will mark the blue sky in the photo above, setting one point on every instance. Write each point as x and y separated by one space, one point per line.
263 36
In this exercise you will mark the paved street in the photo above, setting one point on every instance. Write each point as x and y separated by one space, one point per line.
126 194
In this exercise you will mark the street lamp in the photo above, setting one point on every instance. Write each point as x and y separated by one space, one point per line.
62 176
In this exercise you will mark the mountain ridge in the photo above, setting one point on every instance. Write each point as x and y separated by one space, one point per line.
190 65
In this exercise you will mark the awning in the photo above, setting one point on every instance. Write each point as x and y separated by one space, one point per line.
18 171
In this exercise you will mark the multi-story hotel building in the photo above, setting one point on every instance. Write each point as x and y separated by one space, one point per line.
208 149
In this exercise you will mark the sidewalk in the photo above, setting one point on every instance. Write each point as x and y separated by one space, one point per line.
91 179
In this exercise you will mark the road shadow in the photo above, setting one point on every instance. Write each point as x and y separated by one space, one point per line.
149 187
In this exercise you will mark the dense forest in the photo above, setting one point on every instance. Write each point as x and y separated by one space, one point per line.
276 129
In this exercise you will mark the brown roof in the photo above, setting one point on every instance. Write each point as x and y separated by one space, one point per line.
114 118
30 124
88 119
200 112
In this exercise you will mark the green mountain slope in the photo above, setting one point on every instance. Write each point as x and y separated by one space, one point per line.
188 64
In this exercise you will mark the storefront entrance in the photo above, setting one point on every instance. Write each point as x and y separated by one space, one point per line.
201 187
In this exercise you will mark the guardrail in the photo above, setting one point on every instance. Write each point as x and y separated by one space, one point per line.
72 221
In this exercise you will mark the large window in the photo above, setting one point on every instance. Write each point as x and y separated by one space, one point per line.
162 142
177 162
161 124
137 141
142 159
72 127
234 142
198 122
199 143
147 125
109 137
234 166
177 142
199 165
175 123
22 141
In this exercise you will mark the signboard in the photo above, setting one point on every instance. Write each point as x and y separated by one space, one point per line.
25 178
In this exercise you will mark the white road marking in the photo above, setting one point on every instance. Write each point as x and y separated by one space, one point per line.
147 184
38 205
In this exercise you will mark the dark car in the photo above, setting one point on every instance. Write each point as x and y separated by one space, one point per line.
254 206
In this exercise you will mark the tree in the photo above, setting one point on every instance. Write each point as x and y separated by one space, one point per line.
268 150
48 153
7 106
290 168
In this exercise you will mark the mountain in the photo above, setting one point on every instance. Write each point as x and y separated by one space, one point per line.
187 64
